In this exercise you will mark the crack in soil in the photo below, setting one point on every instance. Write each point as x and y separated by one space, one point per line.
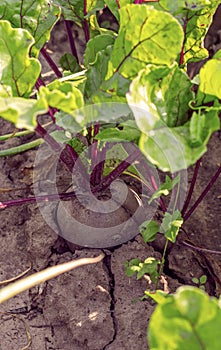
168 271
108 270
171 273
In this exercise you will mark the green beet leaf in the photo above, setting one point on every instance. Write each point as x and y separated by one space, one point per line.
202 125
116 87
115 5
61 136
145 36
158 296
97 71
189 319
67 122
94 5
104 112
124 2
196 26
94 46
97 89
163 93
17 69
171 149
69 63
179 6
21 111
38 17
73 10
83 117
63 95
210 77
116 135
195 18
159 98
77 79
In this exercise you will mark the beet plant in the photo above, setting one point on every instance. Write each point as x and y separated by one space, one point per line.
127 108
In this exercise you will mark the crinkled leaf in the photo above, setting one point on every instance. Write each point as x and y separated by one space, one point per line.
17 69
64 96
210 77
77 79
165 188
195 17
69 63
117 135
195 29
94 46
21 111
159 94
194 321
148 230
145 36
171 224
38 17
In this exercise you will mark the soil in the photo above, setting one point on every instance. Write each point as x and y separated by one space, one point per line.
94 307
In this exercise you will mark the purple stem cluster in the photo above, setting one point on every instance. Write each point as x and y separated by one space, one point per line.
114 174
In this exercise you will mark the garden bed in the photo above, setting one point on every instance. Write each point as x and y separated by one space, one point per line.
94 307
